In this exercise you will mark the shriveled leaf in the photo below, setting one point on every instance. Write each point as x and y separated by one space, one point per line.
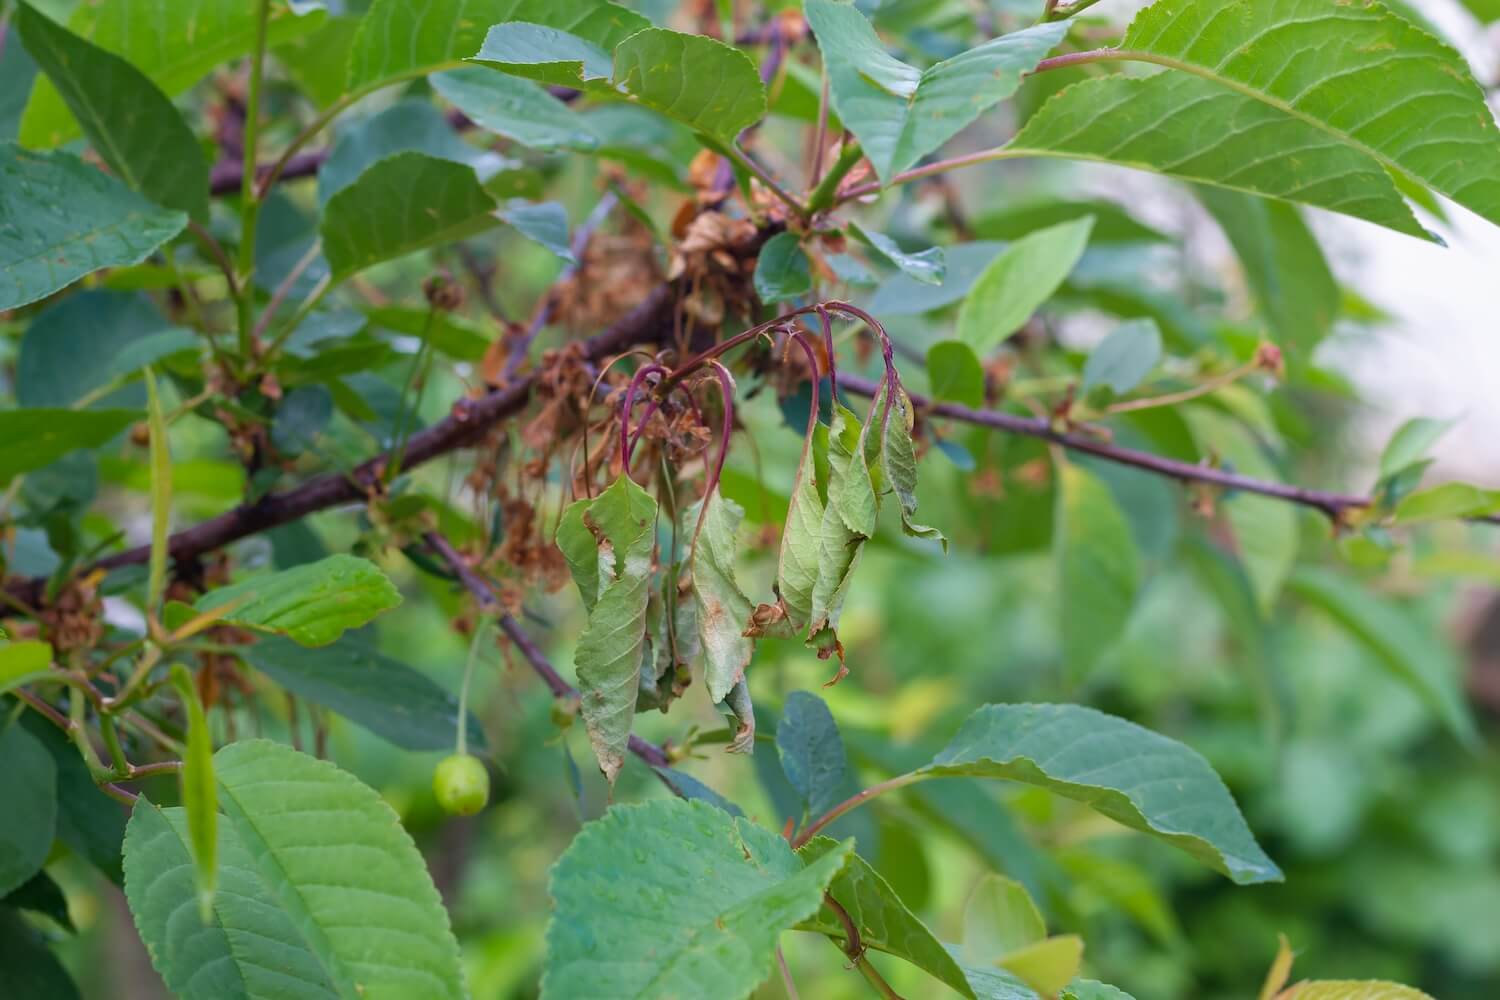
900 113
129 122
174 42
1284 265
1019 281
782 271
892 457
398 39
28 787
199 795
722 607
1337 69
516 109
621 523
1138 778
402 204
801 542
1197 130
61 219
312 604
1098 568
1418 658
738 709
352 678
710 87
300 841
885 922
926 266
848 522
30 439
687 942
1124 358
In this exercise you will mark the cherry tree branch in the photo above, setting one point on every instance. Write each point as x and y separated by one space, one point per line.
1334 505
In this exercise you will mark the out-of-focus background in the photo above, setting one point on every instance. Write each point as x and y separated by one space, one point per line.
1389 832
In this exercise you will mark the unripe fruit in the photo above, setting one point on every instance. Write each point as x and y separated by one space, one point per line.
461 784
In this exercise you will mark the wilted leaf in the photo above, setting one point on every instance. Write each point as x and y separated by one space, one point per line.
722 607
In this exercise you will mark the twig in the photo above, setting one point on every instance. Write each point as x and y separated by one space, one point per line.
649 752
854 947
284 289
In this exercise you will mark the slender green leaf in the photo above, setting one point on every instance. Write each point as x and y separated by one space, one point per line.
710 87
926 266
782 271
174 42
1194 129
900 113
1418 658
685 942
30 439
130 123
352 678
313 603
1019 281
28 787
200 798
722 607
621 524
1124 358
1335 68
61 219
1098 568
955 373
885 923
1138 778
1284 265
892 457
516 109
402 204
314 868
161 494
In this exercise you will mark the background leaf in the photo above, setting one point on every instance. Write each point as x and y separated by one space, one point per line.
1098 568
30 439
28 786
1124 358
1016 283
782 271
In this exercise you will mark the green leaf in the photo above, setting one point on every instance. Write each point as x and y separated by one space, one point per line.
1197 130
1000 917
516 109
900 113
61 219
926 266
621 525
1098 568
88 821
314 868
1019 281
990 982
1415 656
1284 265
812 754
1358 75
28 787
161 495
312 604
884 921
130 123
318 61
675 939
1450 500
782 271
30 439
544 224
892 457
406 126
73 346
23 662
1138 778
1352 989
1410 444
200 798
402 204
1124 358
1047 966
174 42
28 967
1092 989
399 39
954 373
710 87
383 695
722 607
548 55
